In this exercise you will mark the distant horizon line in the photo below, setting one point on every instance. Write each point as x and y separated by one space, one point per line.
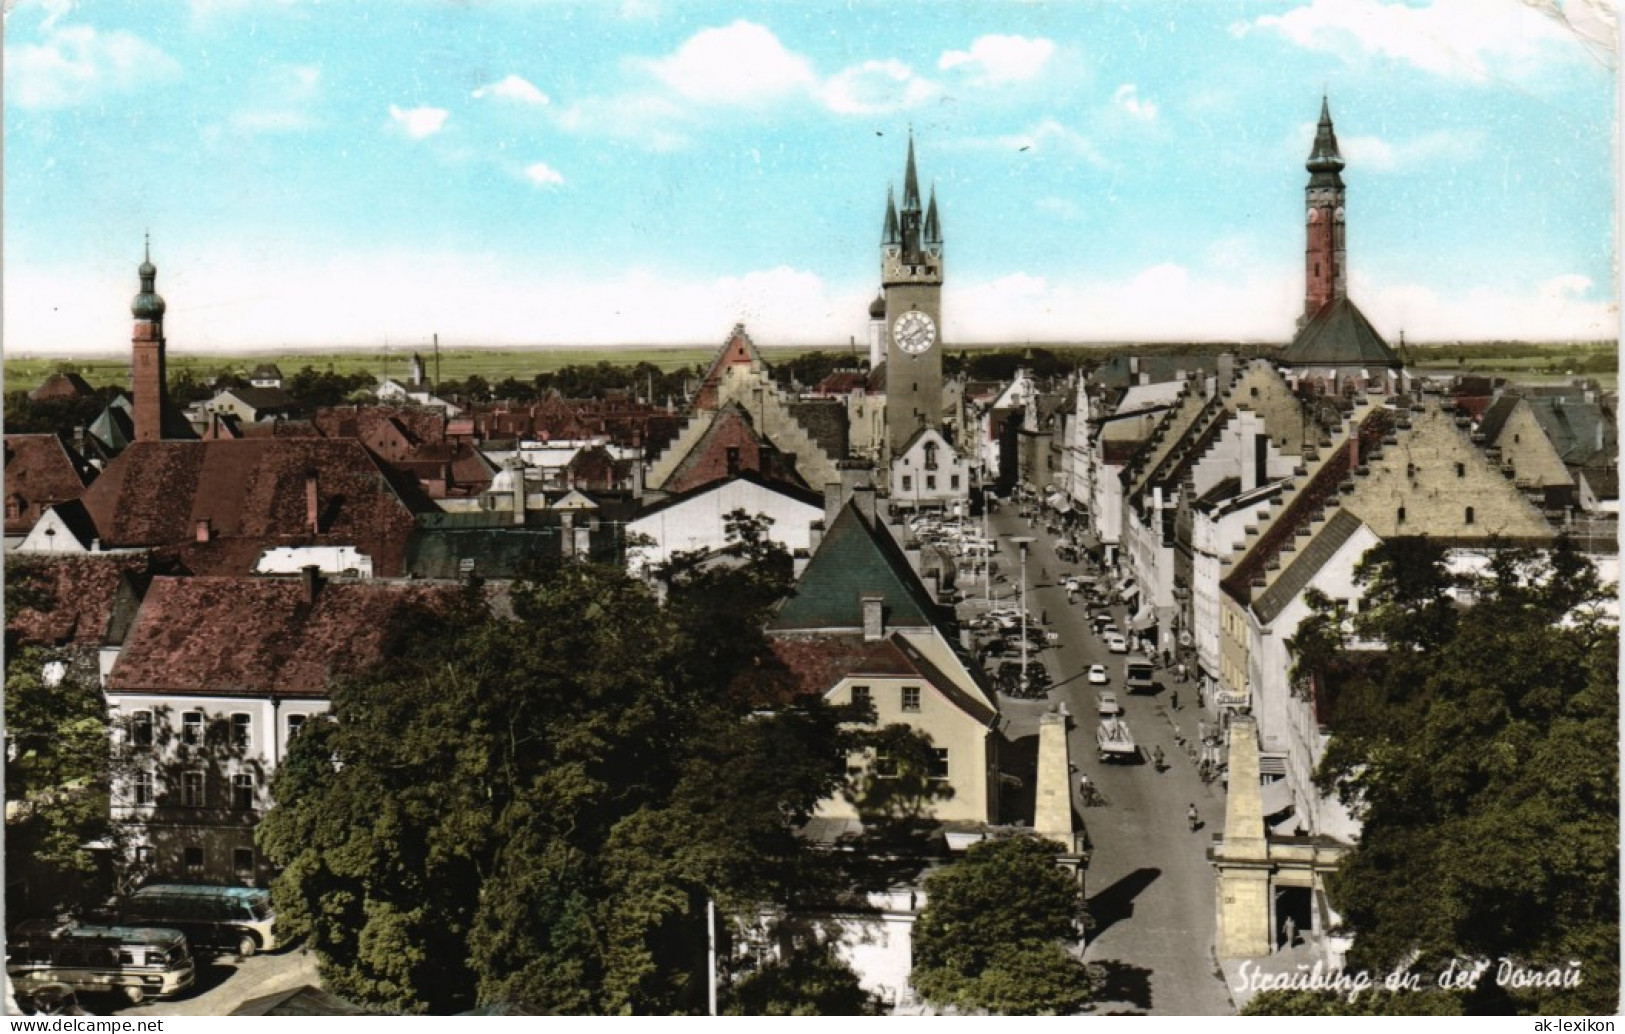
317 350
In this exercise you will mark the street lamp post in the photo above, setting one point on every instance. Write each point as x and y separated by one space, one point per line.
1023 541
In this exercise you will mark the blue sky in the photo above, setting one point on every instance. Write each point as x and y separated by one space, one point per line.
652 172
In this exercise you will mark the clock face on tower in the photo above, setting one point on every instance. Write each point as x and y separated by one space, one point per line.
914 332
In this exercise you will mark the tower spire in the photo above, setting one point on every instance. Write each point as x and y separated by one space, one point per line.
1324 160
889 233
933 229
911 180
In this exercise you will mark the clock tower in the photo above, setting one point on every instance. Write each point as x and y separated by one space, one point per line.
911 275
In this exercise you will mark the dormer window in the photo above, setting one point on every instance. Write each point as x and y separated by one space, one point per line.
14 506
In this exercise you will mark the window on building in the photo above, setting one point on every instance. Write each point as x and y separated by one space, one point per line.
1514 439
143 788
953 482
861 695
1461 470
930 482
885 765
911 698
192 728
242 861
1469 515
733 460
143 855
930 455
242 729
14 507
939 763
192 789
194 861
1401 515
141 729
908 483
242 792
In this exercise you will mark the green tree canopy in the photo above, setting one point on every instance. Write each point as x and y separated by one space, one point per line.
991 936
536 808
58 774
1480 749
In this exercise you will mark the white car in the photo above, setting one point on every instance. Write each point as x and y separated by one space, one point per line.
1116 643
1107 706
1098 675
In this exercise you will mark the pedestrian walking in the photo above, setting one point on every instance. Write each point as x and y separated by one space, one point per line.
1157 757
1173 700
1289 931
1199 704
1191 817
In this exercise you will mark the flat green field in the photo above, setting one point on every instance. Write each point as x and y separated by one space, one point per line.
1525 362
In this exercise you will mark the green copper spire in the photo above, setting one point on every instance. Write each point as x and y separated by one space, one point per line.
890 234
933 229
911 181
1324 161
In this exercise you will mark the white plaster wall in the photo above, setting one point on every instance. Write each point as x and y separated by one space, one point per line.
697 523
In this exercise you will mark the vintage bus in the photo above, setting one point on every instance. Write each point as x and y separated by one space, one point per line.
1139 675
233 919
139 961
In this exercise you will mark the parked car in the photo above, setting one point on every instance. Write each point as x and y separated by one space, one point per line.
1116 643
1098 676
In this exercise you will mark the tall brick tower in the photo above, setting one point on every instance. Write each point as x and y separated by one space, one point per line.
1325 273
147 356
911 274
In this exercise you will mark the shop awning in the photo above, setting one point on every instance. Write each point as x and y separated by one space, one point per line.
1130 594
1143 619
1277 798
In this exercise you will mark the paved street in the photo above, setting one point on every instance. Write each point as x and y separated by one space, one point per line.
222 985
1149 883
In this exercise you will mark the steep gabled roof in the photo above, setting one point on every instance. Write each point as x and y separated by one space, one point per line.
40 472
738 350
1339 335
707 461
855 560
1306 563
62 386
815 664
1495 417
798 493
257 636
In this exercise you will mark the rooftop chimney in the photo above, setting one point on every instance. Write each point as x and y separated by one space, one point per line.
874 617
833 501
312 508
815 536
863 497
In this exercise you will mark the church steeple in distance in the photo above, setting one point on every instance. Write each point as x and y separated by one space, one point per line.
148 380
1325 255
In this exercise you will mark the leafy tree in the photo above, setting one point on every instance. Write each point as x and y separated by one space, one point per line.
1480 749
538 808
58 773
991 934
810 981
313 389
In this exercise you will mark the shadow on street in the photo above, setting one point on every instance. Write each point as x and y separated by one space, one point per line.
1116 902
1124 983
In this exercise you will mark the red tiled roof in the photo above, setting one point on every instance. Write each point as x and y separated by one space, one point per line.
39 473
258 636
253 494
75 592
812 665
843 382
62 386
707 461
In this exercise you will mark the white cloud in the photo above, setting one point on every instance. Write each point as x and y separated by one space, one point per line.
876 87
742 64
999 60
513 88
1555 309
1128 99
238 300
419 123
1452 38
75 63
543 175
1379 155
